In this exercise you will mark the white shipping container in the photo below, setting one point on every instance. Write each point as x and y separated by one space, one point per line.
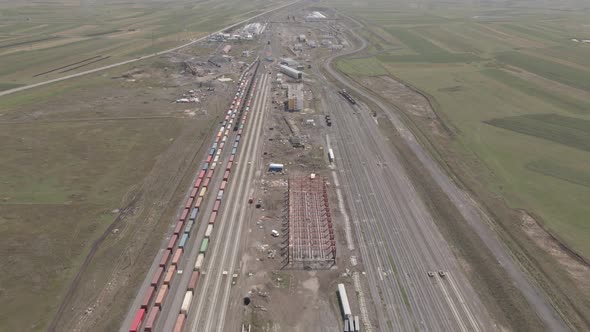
199 263
209 230
186 302
344 301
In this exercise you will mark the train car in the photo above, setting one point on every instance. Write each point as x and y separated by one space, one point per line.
148 297
137 320
221 145
199 262
172 242
210 173
184 214
194 214
189 226
198 183
229 165
201 175
169 275
231 158
165 257
216 158
212 217
214 146
205 166
217 205
194 192
208 160
223 184
186 302
178 228
226 175
219 194
203 191
209 230
211 152
157 277
192 284
236 144
238 137
183 240
189 203
206 182
161 297
199 202
204 246
233 151
179 324
177 256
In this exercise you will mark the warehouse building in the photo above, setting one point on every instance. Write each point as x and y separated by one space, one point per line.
296 74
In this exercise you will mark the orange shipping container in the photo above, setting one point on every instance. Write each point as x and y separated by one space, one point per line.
169 274
198 203
161 297
177 255
179 325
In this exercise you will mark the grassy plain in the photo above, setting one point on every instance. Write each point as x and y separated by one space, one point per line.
487 65
36 38
87 155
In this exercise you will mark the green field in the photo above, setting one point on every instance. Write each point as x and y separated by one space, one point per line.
514 86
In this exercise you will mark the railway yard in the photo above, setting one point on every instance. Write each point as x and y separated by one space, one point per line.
300 192
287 200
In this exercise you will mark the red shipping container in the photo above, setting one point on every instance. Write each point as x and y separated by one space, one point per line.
198 202
165 258
147 299
229 165
150 323
201 175
212 218
177 255
231 158
189 203
179 325
169 274
206 182
210 174
136 324
192 284
223 184
172 242
184 215
161 297
157 277
178 228
198 183
226 175
217 205
194 192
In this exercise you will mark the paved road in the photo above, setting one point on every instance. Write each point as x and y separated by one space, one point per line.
468 207
31 86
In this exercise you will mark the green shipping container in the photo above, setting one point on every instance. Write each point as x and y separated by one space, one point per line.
204 245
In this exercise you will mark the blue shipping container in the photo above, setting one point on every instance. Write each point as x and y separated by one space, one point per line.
212 151
194 214
233 151
183 239
236 144
215 145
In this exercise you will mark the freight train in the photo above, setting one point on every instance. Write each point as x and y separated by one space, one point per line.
347 96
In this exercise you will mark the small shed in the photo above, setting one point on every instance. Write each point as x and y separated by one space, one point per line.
275 167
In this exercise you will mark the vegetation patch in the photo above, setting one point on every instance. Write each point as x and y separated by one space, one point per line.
363 66
569 104
560 129
560 171
8 86
548 69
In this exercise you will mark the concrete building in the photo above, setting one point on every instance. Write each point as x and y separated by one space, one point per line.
295 97
289 62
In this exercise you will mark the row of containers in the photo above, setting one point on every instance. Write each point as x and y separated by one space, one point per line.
147 314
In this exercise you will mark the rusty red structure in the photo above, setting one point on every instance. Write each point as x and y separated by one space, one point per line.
311 243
